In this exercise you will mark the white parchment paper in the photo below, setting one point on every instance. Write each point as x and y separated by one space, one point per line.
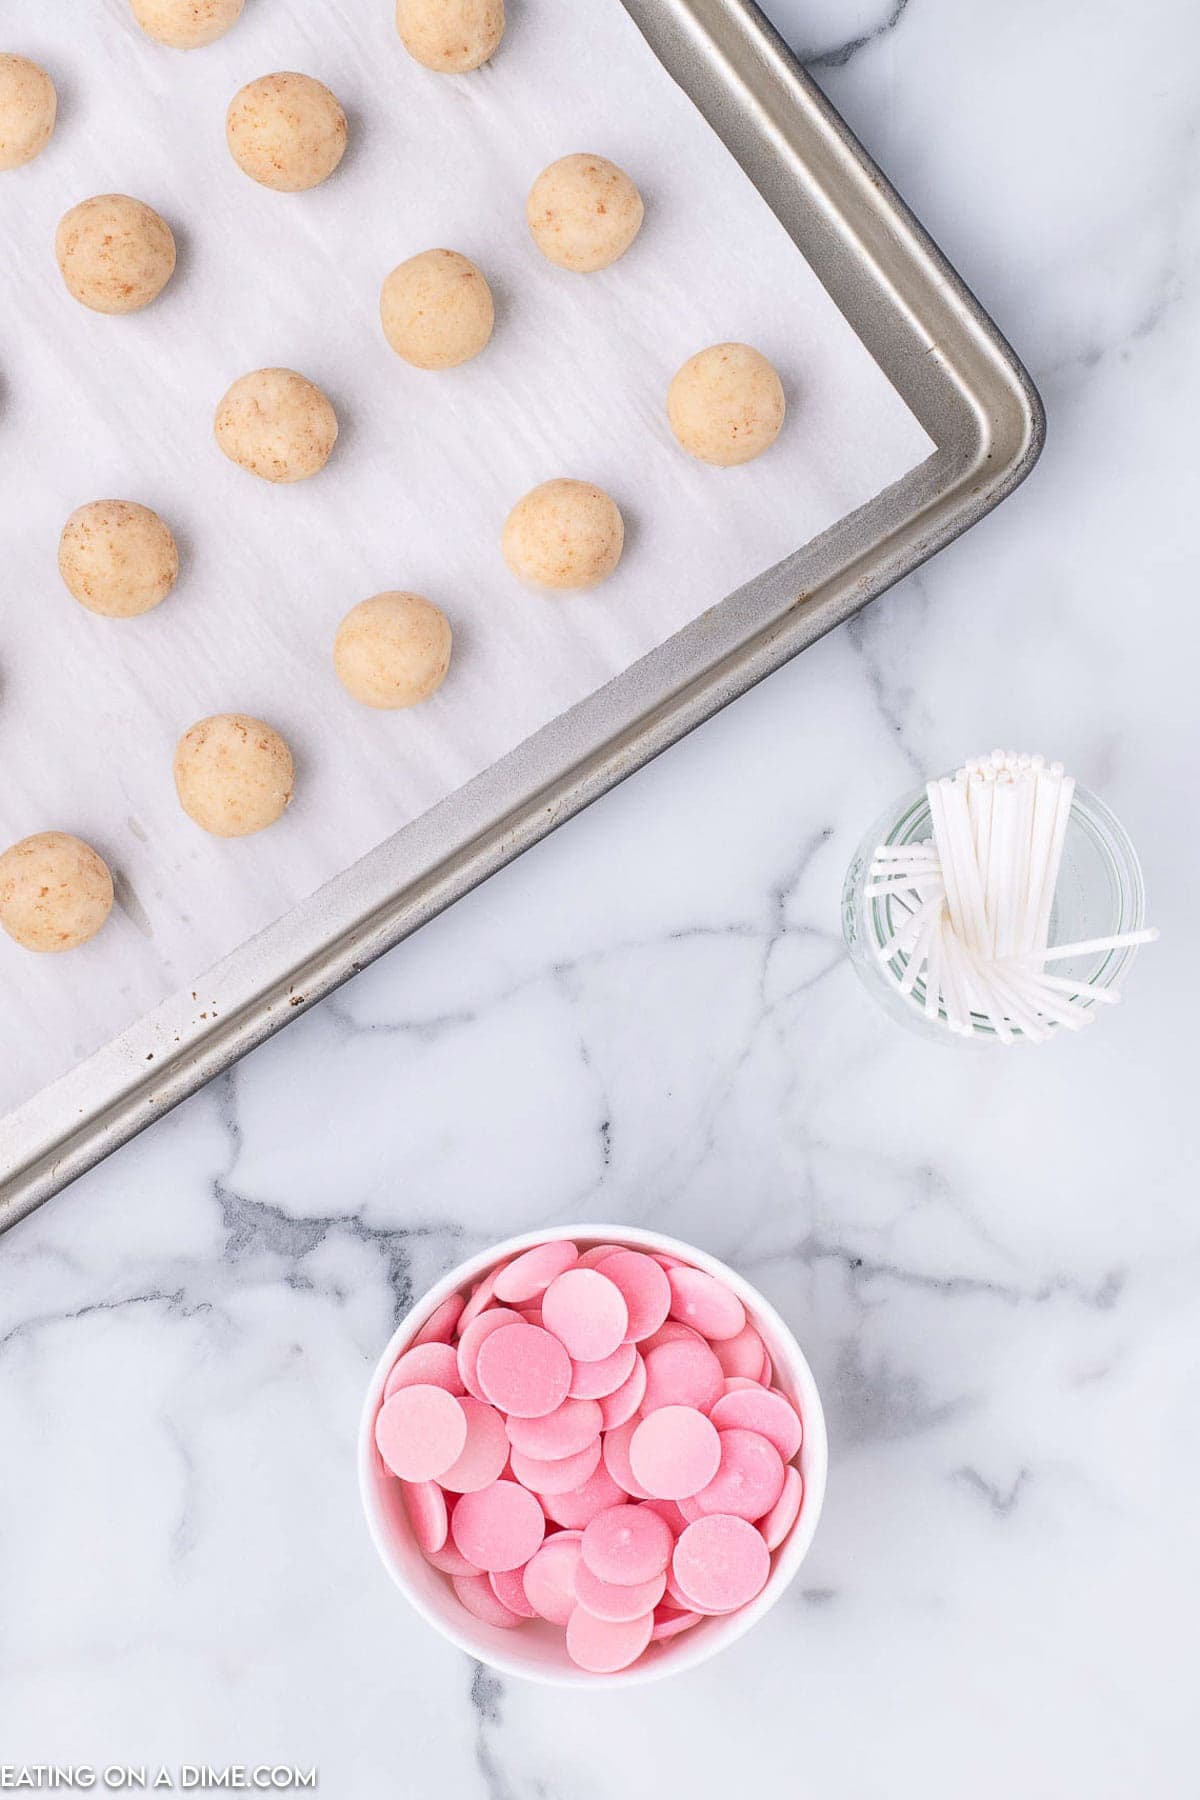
425 471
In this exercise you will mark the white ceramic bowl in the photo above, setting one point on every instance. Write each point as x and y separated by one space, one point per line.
535 1650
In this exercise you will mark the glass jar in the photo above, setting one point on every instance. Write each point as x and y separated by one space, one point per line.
1100 893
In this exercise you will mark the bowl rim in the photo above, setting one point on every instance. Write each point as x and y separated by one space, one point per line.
791 1553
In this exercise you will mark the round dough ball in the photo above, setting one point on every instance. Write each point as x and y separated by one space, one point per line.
276 424
450 36
286 131
117 558
116 254
393 650
55 892
186 24
584 213
28 104
437 310
726 405
233 774
565 535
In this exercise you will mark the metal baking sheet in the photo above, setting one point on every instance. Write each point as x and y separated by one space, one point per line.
952 370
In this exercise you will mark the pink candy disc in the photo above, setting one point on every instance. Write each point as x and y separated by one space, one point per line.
604 1648
481 1296
586 1312
749 1480
439 1326
706 1304
529 1275
549 1577
420 1432
737 1383
524 1370
570 1428
627 1544
477 1595
720 1563
670 1333
562 1477
741 1355
689 1511
683 1372
472 1339
579 1508
596 1380
451 1561
668 1623
785 1512
591 1259
499 1527
619 1407
616 1460
509 1588
764 1411
425 1504
620 1605
668 1510
674 1452
485 1453
644 1288
428 1365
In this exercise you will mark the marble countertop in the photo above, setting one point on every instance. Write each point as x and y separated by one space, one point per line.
991 1260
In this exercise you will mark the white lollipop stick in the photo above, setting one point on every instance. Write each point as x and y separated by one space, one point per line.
1062 818
1122 941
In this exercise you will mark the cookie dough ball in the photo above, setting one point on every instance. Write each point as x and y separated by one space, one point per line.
393 650
186 24
286 131
117 558
450 36
276 424
116 254
564 535
437 310
28 104
55 892
233 774
584 213
726 405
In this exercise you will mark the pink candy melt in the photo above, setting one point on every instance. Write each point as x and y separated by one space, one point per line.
587 1313
429 1365
704 1303
485 1452
644 1288
528 1276
479 1598
425 1504
420 1432
758 1409
592 1441
549 1578
683 1372
596 1380
602 1647
523 1370
500 1527
570 1428
720 1563
627 1545
675 1452
749 1480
